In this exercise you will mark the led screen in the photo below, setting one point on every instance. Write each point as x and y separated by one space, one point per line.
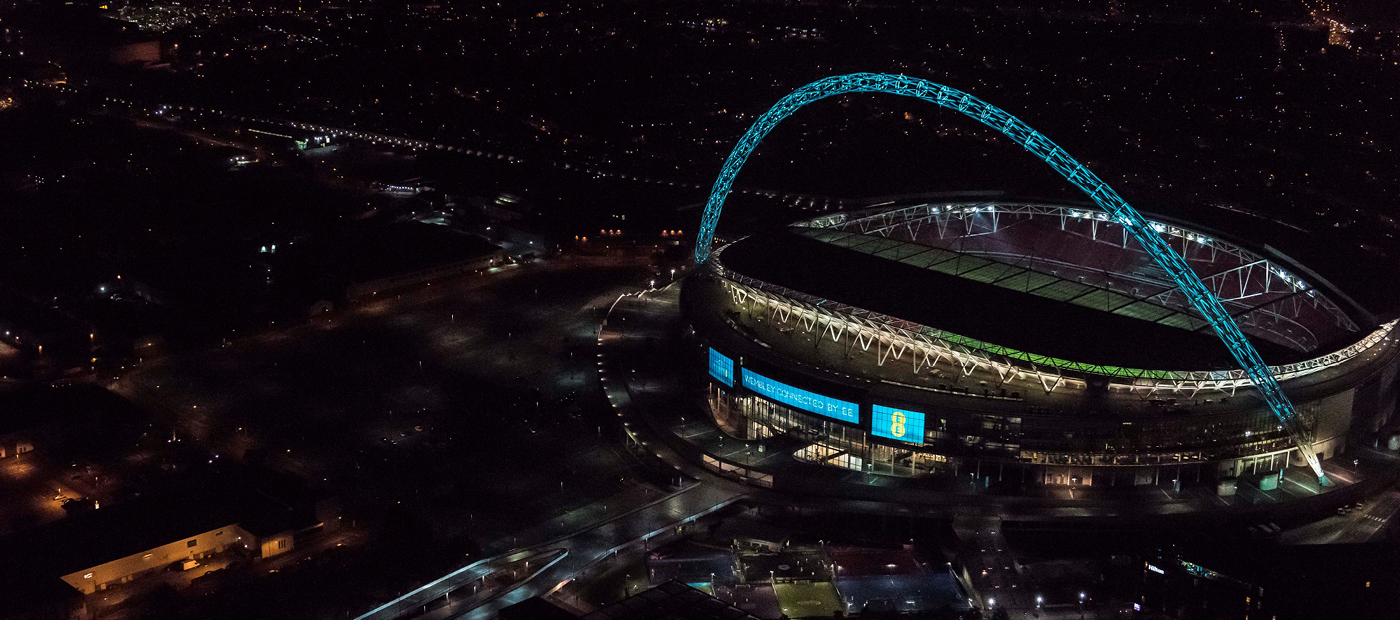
721 367
898 424
801 399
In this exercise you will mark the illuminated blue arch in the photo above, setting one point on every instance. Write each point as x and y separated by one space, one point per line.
1200 297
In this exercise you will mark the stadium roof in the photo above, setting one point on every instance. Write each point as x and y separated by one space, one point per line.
1331 257
986 312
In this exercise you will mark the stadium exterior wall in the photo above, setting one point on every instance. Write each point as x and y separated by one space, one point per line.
997 439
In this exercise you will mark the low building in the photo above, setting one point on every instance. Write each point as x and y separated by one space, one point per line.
253 514
184 547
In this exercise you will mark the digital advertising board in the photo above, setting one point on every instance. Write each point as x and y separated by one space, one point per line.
801 399
900 424
721 367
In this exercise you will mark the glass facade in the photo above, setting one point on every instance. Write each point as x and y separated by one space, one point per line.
802 399
1038 446
746 416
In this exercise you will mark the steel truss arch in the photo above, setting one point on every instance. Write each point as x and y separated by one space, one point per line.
1117 209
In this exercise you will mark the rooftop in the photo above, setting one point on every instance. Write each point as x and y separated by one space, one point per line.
966 307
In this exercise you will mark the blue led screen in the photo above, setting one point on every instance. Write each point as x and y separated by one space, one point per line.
802 399
721 367
900 424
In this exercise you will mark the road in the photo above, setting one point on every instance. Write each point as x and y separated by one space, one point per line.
1359 526
469 575
584 547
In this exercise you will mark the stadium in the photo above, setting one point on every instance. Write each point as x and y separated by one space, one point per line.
970 349
1017 341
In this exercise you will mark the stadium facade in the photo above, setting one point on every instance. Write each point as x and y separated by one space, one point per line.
1021 344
